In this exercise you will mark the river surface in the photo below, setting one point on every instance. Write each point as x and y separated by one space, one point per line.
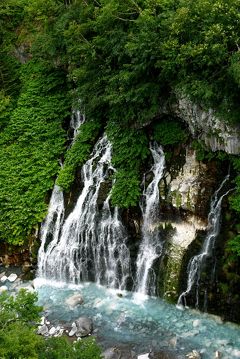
140 322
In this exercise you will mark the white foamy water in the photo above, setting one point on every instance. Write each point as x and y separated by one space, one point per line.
151 246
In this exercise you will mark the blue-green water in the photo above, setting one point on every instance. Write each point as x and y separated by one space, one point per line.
140 322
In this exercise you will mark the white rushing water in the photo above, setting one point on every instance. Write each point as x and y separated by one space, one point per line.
196 263
91 243
151 246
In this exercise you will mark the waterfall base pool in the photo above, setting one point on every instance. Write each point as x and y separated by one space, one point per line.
142 323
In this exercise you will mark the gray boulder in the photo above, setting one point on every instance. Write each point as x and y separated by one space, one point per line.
84 326
74 300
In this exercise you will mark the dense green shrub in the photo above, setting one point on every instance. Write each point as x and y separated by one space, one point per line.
19 316
130 149
78 153
30 146
169 132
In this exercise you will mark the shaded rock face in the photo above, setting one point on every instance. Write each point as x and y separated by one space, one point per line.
186 191
17 256
216 134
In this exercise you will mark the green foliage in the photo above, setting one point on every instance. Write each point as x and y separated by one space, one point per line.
169 132
61 348
30 146
204 154
17 330
130 149
22 308
78 153
124 59
18 339
234 245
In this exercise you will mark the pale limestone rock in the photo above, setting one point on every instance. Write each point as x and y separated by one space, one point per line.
3 278
12 277
217 134
184 189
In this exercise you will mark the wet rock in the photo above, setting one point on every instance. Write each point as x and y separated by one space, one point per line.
162 354
2 274
143 356
43 330
52 331
12 277
73 331
196 323
3 278
119 353
74 300
84 326
193 355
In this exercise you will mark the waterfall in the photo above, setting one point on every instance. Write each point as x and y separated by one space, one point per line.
91 244
77 119
196 263
112 255
151 246
51 227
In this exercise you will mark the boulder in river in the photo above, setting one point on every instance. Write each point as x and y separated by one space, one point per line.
84 326
74 300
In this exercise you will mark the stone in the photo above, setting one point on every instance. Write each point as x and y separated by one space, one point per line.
196 323
111 353
3 288
121 352
52 331
143 356
194 355
3 278
73 331
42 330
205 125
162 354
12 277
74 300
84 326
2 274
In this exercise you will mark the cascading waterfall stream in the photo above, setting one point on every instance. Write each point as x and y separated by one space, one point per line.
51 227
151 246
112 255
91 245
196 263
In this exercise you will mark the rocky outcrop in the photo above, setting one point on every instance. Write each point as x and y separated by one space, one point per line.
185 233
188 191
206 126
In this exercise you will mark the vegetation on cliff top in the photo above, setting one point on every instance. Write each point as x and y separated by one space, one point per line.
123 59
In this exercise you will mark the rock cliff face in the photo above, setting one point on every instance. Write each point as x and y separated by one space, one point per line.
204 125
187 193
